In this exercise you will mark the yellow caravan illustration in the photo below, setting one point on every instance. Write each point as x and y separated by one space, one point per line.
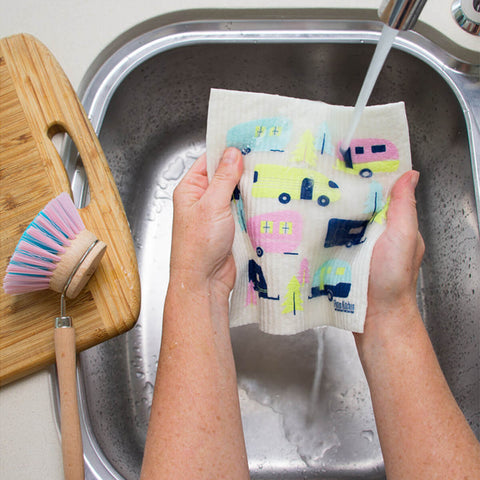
291 183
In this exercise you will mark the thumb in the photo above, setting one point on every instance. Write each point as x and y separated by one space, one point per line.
402 211
226 177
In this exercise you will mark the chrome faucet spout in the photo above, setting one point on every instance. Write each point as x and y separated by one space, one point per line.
400 14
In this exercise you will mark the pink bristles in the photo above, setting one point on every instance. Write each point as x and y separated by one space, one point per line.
36 251
53 230
29 270
45 240
41 245
25 257
19 285
63 213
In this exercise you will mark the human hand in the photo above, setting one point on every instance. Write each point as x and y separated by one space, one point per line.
396 257
418 420
203 225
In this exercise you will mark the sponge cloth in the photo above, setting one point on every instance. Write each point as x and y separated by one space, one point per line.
307 215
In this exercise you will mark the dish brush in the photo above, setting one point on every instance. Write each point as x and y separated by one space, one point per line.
57 252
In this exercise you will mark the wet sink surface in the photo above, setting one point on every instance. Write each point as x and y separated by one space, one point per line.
305 403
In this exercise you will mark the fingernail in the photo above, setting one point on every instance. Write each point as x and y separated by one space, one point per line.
229 156
414 178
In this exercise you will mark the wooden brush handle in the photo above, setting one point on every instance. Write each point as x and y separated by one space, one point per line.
69 418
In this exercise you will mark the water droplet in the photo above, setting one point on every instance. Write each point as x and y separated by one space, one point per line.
148 388
162 184
174 169
368 435
151 215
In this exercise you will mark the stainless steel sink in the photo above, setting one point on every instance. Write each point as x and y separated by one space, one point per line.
305 403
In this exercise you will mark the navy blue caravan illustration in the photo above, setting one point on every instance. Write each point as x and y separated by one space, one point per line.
255 275
345 232
332 279
263 135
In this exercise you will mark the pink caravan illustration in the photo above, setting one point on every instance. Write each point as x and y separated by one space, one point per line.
276 232
367 156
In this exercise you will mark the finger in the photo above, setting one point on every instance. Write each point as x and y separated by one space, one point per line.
402 211
193 185
225 179
419 251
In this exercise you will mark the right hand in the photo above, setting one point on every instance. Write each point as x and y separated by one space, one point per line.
396 257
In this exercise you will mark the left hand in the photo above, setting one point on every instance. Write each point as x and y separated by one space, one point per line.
203 225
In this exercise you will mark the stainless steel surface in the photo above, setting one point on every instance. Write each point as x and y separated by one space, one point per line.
467 14
400 14
305 403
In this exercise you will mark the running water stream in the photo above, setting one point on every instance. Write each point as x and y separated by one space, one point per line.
317 379
381 52
383 48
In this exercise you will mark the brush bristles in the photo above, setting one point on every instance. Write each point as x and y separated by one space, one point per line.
40 248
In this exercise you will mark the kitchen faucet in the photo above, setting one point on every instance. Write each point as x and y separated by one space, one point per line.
403 14
400 14
467 15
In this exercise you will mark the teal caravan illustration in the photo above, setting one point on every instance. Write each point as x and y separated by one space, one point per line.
332 279
291 183
264 135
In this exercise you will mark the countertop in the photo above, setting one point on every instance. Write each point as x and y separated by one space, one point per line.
78 33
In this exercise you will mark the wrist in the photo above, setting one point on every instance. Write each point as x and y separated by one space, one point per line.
388 327
193 282
194 294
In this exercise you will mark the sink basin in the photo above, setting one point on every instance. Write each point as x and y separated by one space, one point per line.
305 403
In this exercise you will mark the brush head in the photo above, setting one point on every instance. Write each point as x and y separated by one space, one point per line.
50 249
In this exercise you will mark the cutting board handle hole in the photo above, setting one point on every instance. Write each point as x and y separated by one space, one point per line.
68 152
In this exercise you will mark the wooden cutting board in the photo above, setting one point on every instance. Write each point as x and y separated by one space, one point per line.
36 102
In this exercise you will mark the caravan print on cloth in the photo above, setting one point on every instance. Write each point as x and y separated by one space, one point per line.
307 215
